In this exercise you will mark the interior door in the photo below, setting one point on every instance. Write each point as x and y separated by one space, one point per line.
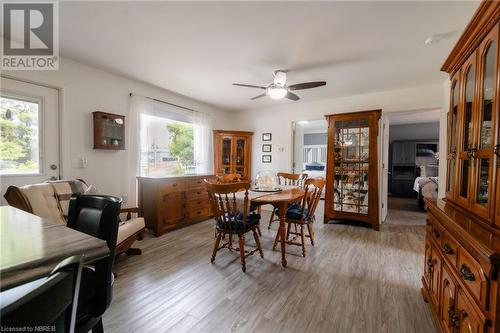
385 166
29 133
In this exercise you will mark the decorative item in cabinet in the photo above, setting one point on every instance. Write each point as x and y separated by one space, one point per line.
352 167
109 131
232 152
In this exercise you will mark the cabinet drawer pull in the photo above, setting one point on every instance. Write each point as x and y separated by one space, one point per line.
430 265
436 234
447 249
427 222
174 184
454 320
466 273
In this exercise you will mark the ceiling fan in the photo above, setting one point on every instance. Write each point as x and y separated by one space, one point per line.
278 88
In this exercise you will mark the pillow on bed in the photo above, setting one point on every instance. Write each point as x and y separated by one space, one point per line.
315 166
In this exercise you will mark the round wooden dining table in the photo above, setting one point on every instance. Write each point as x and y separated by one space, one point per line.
281 200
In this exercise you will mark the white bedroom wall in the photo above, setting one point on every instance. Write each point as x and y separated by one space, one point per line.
278 120
86 89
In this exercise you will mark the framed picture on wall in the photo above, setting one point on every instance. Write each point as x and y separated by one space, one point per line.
266 148
266 136
266 158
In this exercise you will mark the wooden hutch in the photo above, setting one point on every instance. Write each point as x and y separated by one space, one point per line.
462 245
352 168
233 153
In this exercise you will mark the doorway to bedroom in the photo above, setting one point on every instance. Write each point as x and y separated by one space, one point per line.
412 164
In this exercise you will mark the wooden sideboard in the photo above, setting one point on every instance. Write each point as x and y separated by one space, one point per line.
173 202
462 244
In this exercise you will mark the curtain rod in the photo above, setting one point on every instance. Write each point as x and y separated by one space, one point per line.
159 100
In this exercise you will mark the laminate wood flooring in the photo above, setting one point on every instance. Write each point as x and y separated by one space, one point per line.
354 280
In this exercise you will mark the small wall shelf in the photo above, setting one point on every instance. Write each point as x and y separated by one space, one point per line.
109 131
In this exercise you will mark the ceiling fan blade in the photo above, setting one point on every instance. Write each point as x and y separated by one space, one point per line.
292 96
258 96
307 85
248 85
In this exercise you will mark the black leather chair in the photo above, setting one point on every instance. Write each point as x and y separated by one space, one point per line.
95 215
49 302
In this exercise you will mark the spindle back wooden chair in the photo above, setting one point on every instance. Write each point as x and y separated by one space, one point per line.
303 215
291 179
233 217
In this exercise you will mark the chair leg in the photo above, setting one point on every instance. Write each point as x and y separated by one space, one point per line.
276 240
258 231
216 246
230 241
98 328
288 226
242 252
257 242
271 220
310 228
303 240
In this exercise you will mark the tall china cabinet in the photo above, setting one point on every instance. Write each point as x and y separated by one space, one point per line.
352 167
462 244
232 152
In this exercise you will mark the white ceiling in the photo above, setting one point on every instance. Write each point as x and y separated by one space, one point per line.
199 49
414 117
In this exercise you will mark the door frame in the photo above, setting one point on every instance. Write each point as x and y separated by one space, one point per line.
59 114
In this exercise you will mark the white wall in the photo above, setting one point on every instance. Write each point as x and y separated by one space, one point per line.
278 120
86 89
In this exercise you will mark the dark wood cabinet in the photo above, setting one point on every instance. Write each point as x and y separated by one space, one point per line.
233 153
468 219
109 131
173 202
352 167
403 152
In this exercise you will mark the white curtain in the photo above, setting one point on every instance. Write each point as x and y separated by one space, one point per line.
202 136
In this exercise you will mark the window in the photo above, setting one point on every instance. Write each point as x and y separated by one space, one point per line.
19 135
167 147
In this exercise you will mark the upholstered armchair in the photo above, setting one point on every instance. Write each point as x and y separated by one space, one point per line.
50 200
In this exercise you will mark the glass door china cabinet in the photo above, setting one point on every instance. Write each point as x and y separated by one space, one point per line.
232 152
352 167
472 152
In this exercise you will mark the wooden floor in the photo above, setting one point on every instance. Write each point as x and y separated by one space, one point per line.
354 280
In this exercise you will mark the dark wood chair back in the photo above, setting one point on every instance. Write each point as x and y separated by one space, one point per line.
95 215
227 210
229 178
295 179
52 303
313 188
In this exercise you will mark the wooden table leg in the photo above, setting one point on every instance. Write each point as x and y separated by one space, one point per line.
283 209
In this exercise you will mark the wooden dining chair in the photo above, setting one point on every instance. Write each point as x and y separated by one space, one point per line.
233 217
229 178
290 179
303 215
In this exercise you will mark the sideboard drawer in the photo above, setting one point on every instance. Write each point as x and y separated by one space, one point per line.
195 183
169 186
200 213
196 204
437 230
196 194
450 248
472 276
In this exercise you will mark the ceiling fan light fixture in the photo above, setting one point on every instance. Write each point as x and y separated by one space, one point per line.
276 91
